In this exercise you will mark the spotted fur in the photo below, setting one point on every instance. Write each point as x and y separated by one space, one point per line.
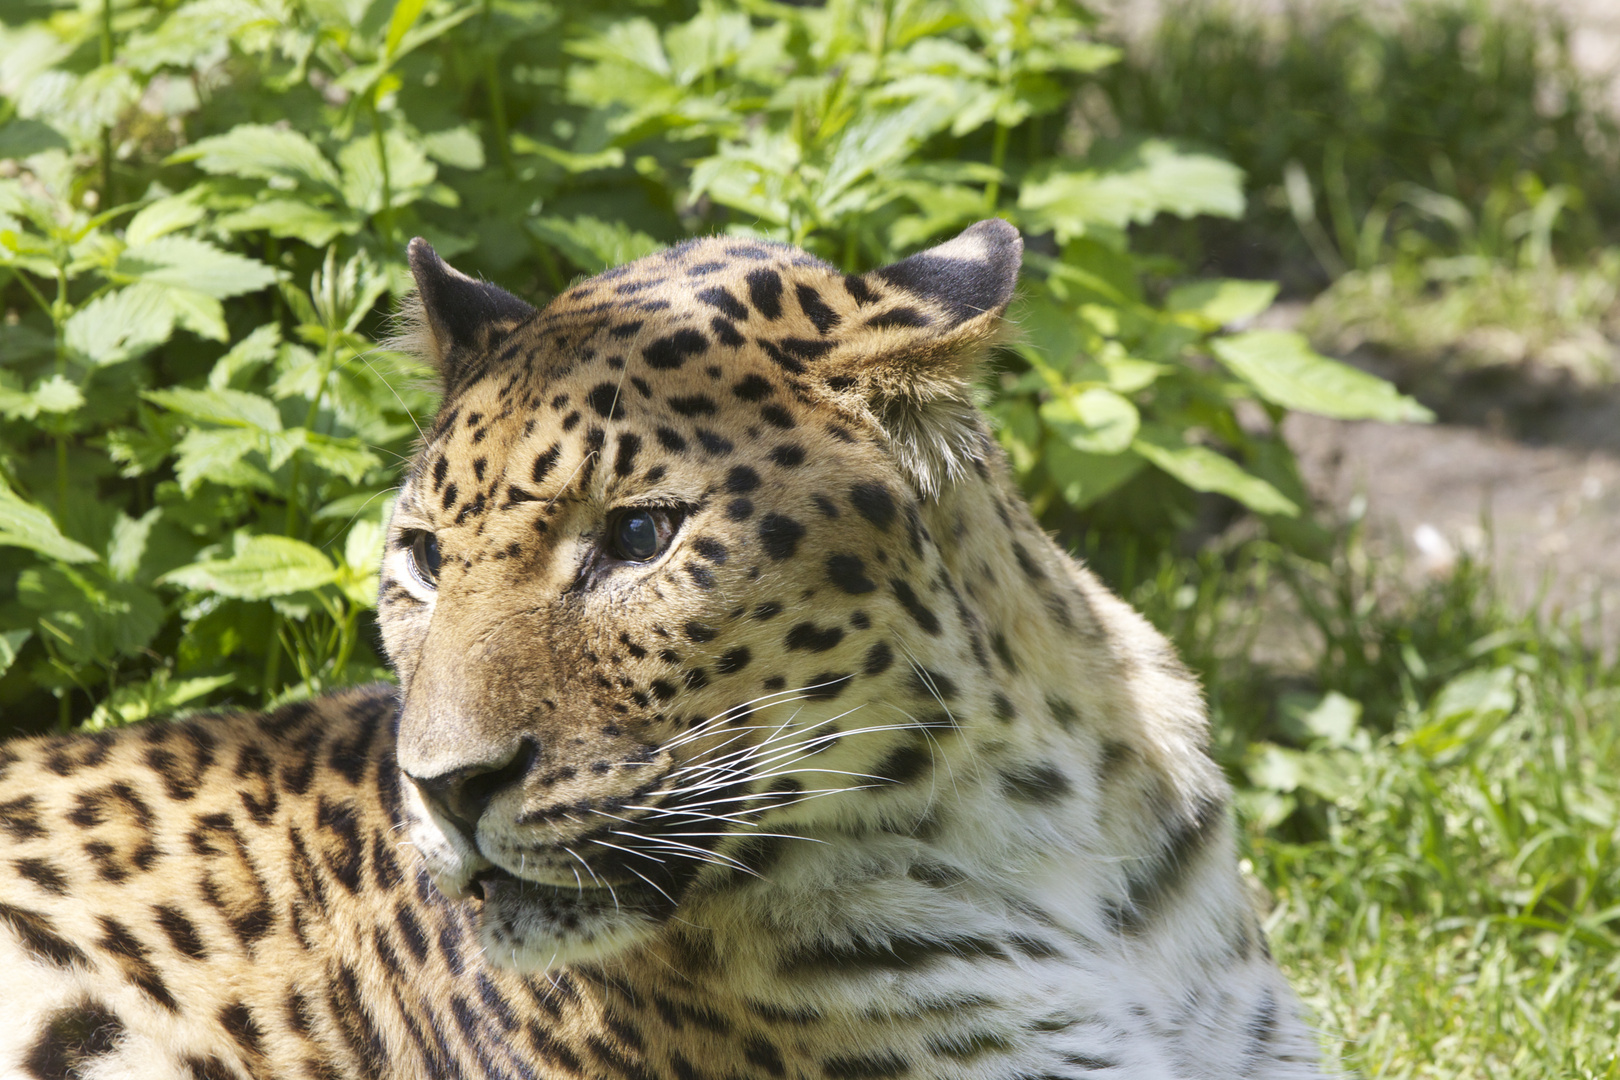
858 777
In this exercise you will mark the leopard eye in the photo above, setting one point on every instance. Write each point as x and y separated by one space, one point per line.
424 554
641 534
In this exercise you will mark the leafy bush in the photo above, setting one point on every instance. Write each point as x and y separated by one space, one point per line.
202 217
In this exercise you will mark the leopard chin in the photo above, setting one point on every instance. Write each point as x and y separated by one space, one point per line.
531 926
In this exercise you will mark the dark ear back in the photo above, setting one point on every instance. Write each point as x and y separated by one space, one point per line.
971 275
452 314
925 325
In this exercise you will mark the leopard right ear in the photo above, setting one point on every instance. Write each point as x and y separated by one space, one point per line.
451 317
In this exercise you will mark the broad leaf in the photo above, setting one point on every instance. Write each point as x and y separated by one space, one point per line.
262 567
236 408
1093 421
121 325
11 643
295 219
196 265
260 152
1282 367
591 243
1202 469
25 525
1131 188
157 696
1222 301
88 617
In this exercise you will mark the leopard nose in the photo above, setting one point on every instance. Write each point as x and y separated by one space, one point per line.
462 795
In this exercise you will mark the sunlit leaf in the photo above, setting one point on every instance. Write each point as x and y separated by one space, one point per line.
121 325
236 408
196 265
1093 421
260 567
25 525
591 243
1131 187
1202 469
1221 301
1282 367
260 152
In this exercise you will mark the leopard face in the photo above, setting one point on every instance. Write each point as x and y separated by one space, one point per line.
658 589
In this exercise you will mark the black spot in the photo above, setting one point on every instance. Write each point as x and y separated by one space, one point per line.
449 495
859 290
696 679
440 467
571 421
71 1038
753 388
874 503
716 296
624 462
714 443
825 686
671 352
38 936
726 332
848 572
765 290
1027 565
816 309
545 462
670 440
878 658
905 763
813 638
701 575
182 933
44 874
1063 712
788 456
694 405
624 330
900 316
929 683
777 417
604 398
741 480
998 642
710 549
804 349
915 607
739 510
1002 707
780 535
768 610
1155 881
733 661
1042 785
763 1054
696 631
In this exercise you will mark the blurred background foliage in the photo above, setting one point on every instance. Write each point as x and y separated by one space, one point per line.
203 208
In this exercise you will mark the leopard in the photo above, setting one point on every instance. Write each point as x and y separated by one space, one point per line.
747 726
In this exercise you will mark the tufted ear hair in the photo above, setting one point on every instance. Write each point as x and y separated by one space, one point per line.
451 317
925 325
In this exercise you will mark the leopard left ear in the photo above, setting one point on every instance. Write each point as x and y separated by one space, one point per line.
925 325
452 317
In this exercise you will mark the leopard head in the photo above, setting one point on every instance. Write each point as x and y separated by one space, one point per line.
659 581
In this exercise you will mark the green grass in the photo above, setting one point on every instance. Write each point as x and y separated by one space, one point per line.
1431 787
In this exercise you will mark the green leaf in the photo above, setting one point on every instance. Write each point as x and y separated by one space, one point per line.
294 219
1202 469
218 454
611 158
261 152
56 394
1093 421
1283 369
235 408
1130 187
253 351
156 696
1222 301
261 567
25 525
88 617
347 458
458 147
1082 478
409 171
158 219
591 243
128 543
196 265
121 325
406 12
25 138
11 643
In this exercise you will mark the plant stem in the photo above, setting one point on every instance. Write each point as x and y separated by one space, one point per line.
497 100
998 158
385 216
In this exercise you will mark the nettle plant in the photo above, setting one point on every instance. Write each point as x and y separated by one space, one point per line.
203 210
